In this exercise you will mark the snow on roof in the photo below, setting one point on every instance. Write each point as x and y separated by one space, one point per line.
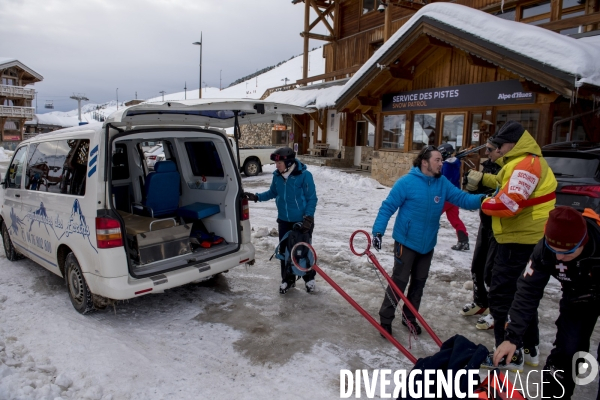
9 62
577 57
54 120
319 96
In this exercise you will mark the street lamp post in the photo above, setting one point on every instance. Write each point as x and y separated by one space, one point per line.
200 76
117 98
285 80
163 94
220 87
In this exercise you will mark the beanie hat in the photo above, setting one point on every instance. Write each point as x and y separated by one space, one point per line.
510 132
565 228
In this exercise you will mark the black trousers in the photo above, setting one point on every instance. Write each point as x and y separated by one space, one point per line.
575 324
483 261
408 265
288 276
511 259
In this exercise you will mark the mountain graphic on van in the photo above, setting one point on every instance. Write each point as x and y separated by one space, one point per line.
41 217
15 222
77 224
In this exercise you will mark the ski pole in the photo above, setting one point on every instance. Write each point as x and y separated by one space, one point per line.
394 287
349 299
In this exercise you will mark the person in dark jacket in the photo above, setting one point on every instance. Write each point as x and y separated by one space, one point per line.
570 252
485 250
293 189
451 170
419 198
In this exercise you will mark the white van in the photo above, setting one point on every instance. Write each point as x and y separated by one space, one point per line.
82 203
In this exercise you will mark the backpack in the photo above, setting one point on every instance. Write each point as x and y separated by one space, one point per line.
303 255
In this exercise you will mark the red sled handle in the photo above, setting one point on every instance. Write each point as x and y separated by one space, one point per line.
349 299
394 287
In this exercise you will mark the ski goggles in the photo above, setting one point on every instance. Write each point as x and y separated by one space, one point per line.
279 157
573 250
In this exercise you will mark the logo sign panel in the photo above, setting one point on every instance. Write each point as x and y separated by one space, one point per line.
475 95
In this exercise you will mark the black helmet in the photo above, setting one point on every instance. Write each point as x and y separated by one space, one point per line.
446 149
284 154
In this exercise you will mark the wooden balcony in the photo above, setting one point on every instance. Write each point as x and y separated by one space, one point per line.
16 92
17 112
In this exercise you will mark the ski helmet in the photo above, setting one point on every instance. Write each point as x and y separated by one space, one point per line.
284 154
447 150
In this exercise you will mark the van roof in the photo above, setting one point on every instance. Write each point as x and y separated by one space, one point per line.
207 113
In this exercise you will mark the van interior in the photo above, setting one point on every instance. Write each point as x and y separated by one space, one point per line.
184 211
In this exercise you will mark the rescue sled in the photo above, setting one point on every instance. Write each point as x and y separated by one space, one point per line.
492 389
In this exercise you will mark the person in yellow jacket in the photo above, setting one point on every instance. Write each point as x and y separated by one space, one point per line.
519 209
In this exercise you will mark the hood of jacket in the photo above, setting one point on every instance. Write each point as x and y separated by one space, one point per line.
525 145
297 171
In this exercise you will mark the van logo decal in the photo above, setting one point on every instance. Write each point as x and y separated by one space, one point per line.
41 217
93 161
77 224
15 223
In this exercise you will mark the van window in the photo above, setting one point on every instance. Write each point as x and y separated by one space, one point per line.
15 171
120 162
204 159
39 166
70 166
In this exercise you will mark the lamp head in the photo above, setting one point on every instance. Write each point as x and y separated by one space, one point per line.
382 7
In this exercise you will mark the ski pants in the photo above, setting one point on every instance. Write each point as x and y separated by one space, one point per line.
288 276
452 213
408 265
483 261
575 324
510 261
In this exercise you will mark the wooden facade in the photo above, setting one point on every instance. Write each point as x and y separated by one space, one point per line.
433 56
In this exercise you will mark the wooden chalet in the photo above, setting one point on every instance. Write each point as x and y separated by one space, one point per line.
436 83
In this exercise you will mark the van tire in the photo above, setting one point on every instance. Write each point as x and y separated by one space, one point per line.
251 168
9 249
79 292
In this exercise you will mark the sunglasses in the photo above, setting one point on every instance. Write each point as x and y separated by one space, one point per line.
573 250
429 148
490 149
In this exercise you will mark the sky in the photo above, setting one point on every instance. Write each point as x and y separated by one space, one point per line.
95 47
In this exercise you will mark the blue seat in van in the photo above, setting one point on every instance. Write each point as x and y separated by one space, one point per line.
162 189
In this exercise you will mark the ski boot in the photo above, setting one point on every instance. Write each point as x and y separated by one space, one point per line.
474 309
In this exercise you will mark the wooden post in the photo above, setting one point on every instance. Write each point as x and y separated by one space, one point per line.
387 25
306 39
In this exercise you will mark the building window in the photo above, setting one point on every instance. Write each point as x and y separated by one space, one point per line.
423 130
453 127
370 5
506 14
530 119
394 128
539 13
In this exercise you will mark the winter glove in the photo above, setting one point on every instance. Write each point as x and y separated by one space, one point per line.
377 241
251 196
473 179
307 223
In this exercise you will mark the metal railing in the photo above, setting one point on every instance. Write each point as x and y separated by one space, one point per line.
15 112
16 91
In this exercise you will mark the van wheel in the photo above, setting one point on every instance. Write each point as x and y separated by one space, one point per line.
11 253
251 168
79 292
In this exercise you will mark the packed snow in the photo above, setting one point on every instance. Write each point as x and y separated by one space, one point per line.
235 336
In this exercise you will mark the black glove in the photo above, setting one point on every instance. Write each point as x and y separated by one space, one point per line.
307 223
377 241
251 196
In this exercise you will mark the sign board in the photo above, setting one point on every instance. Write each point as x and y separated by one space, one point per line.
11 137
475 135
475 95
291 135
278 127
295 147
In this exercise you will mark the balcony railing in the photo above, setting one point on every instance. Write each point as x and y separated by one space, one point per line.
16 92
17 112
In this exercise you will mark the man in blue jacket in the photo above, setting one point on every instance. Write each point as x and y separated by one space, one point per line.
293 189
419 198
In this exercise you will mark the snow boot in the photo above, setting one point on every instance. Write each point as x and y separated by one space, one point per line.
516 363
461 246
387 327
474 309
412 326
311 286
486 322
532 356
285 286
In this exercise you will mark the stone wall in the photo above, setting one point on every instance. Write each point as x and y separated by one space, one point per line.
260 134
388 166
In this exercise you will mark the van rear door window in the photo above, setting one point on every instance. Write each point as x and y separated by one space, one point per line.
70 166
204 159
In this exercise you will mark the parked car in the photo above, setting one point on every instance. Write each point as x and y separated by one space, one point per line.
153 155
576 166
252 158
81 202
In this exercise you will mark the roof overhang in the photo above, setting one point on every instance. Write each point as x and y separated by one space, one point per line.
9 63
530 69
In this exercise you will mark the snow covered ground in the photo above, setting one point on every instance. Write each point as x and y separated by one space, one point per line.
235 336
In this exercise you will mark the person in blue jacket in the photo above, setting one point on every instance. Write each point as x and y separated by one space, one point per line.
293 189
419 198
